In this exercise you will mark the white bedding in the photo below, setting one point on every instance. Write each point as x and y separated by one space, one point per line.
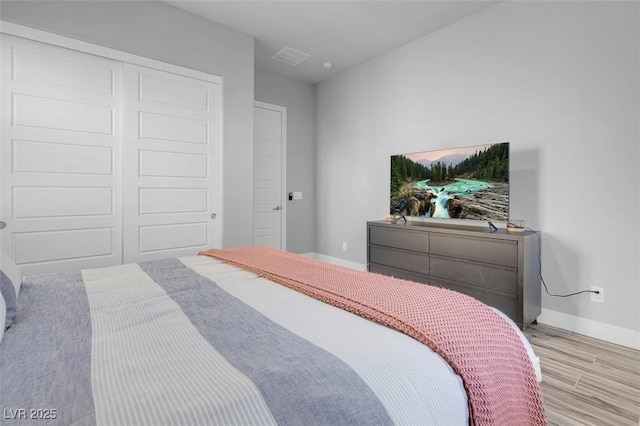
431 395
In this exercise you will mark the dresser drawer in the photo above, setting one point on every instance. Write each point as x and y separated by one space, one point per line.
489 250
492 277
506 303
398 273
399 238
401 259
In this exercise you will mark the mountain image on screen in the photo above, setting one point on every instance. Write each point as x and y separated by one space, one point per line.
458 183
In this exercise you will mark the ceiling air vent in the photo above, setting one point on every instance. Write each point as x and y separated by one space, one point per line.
290 56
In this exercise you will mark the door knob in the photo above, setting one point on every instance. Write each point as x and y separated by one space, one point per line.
213 215
276 208
3 224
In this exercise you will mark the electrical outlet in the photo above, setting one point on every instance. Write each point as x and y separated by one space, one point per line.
344 245
598 298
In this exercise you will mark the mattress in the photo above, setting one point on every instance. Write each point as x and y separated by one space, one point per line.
196 340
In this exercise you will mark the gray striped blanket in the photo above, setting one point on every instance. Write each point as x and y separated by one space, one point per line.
195 341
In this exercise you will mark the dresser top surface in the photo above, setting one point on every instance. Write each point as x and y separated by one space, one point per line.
449 228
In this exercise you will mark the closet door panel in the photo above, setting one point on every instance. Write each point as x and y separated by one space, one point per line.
67 72
60 190
168 90
72 116
171 171
173 128
61 201
172 164
61 158
173 200
73 245
159 238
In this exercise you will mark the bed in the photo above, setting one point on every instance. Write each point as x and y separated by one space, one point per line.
255 336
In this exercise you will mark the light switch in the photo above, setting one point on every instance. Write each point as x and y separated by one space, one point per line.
297 195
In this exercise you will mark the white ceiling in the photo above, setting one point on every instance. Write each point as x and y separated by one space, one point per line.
343 32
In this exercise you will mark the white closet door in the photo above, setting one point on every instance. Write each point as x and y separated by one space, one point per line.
172 164
60 156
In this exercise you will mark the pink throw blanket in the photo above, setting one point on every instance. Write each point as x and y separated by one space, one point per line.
480 346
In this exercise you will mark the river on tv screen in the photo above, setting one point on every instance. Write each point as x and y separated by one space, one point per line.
461 183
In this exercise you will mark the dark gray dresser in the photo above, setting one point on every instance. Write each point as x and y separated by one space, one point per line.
498 268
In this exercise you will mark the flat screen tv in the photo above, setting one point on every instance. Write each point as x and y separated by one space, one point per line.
458 183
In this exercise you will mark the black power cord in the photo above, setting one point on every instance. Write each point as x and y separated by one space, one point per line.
540 268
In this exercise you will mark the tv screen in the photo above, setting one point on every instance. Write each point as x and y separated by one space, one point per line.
458 183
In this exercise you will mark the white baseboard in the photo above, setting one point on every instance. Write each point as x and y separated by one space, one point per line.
336 261
597 330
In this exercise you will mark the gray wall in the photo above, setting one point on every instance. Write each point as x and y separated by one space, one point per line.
159 31
298 97
560 81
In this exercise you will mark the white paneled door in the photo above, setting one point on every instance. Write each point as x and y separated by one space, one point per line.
60 189
171 169
269 145
104 162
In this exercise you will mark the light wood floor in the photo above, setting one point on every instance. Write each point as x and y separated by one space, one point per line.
586 381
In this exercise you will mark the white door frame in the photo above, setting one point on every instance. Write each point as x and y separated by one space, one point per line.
106 52
283 168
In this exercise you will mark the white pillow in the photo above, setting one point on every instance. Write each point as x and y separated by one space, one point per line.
10 282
